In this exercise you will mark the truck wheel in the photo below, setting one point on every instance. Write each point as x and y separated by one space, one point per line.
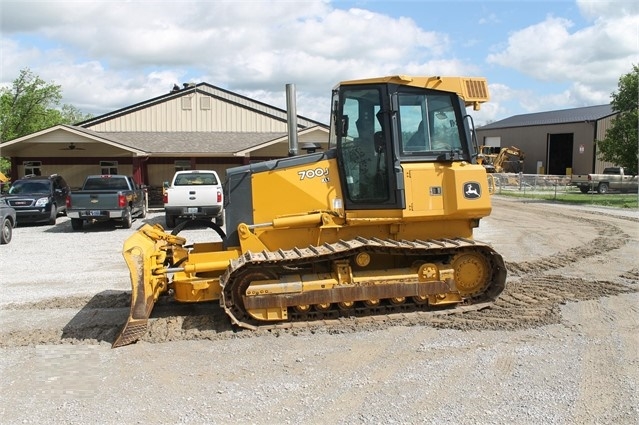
584 189
170 221
6 232
54 214
127 220
602 188
77 223
219 220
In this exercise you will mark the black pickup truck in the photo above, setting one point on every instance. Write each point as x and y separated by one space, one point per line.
107 197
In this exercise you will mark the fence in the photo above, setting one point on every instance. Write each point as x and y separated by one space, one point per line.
556 187
532 183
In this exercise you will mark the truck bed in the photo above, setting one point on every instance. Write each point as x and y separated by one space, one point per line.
105 198
194 194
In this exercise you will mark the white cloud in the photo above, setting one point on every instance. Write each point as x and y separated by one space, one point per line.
609 9
141 46
590 60
107 55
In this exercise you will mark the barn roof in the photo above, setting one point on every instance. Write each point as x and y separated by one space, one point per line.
563 116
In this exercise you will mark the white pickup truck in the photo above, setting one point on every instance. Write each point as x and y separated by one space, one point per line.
194 194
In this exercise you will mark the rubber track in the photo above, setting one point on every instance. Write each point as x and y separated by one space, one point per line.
344 248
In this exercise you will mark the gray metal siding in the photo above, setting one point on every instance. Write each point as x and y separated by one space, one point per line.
602 127
530 133
534 143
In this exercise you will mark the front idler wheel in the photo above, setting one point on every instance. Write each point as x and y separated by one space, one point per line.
472 273
240 285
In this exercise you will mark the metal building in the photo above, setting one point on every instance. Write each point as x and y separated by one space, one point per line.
555 142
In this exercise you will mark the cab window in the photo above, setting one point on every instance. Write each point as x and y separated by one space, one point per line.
363 148
428 124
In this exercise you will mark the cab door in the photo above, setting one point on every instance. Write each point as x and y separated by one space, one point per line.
368 164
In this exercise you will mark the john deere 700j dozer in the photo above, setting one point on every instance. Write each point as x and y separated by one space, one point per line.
380 222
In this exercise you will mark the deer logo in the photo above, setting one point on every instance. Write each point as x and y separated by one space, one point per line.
472 190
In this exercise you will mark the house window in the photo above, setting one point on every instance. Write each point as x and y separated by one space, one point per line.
108 167
32 168
182 165
186 103
205 103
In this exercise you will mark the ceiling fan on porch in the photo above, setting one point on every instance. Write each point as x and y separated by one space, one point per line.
72 147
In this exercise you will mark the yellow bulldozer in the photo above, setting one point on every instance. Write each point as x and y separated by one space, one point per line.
380 222
501 160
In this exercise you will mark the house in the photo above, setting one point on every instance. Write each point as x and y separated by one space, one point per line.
555 142
198 126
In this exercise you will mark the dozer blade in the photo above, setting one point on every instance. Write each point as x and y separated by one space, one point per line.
132 331
141 303
142 252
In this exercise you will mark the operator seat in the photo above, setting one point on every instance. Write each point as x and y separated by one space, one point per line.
417 141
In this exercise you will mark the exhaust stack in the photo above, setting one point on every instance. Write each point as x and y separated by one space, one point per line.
291 119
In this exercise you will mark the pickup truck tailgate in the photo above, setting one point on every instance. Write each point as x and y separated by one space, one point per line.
194 196
94 200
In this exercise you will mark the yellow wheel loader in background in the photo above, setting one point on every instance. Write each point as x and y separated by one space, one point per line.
380 222
3 179
501 160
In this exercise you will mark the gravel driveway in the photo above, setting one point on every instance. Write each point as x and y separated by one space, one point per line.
560 346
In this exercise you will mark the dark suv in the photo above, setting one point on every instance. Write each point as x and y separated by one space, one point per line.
38 198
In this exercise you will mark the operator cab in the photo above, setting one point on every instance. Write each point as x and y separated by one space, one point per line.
379 126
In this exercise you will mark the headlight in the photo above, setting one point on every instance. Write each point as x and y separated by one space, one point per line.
42 202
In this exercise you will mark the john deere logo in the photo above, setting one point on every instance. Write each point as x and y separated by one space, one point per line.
472 190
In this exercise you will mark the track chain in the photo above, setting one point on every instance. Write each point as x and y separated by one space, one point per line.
286 260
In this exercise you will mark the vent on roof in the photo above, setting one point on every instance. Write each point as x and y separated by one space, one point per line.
476 88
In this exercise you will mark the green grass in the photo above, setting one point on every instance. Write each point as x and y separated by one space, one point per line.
616 200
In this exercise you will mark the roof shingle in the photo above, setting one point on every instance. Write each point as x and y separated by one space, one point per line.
191 142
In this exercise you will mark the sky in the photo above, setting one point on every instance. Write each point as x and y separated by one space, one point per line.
536 55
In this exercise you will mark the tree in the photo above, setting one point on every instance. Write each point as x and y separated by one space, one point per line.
31 105
620 144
